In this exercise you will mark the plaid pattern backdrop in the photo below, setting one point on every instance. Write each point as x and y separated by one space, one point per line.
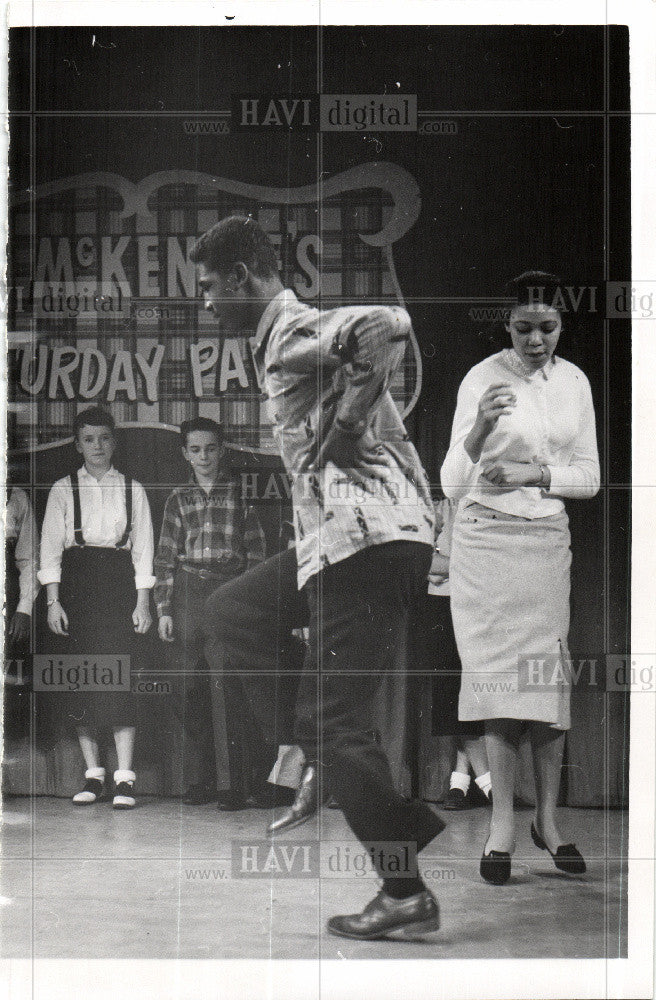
351 271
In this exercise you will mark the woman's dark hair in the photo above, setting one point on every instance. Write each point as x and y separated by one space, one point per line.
528 288
236 238
535 287
201 424
95 416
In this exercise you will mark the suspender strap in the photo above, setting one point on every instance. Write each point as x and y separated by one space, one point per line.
128 514
77 512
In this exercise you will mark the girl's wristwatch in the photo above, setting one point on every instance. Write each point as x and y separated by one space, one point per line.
55 600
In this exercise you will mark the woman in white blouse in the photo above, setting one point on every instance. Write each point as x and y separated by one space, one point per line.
523 438
97 566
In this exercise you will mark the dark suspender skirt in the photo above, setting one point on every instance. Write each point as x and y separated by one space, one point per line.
98 594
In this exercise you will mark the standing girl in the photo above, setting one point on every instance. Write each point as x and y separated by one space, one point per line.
97 566
523 440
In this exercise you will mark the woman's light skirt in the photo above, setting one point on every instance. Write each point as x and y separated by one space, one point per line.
510 589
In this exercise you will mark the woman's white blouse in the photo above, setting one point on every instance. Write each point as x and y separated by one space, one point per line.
553 424
104 517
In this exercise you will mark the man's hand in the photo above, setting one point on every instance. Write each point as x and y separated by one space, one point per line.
361 459
513 474
19 629
165 628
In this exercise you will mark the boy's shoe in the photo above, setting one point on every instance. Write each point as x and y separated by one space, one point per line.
455 798
94 787
123 790
199 794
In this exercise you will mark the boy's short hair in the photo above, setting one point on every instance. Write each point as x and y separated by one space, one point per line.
95 416
236 238
200 424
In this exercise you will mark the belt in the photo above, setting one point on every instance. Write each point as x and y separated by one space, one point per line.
204 574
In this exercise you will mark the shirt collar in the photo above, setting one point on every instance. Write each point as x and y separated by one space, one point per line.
88 478
221 477
515 363
280 303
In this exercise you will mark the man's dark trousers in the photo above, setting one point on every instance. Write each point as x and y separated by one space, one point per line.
357 613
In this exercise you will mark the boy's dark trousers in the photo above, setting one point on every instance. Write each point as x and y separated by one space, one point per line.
216 737
357 613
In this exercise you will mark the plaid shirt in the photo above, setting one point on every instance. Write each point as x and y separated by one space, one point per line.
209 531
318 368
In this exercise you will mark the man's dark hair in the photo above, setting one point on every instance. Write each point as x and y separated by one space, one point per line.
200 424
95 416
236 238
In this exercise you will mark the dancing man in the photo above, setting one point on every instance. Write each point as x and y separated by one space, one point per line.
364 529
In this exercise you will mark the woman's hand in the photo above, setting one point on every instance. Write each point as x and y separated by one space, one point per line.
57 619
165 628
498 400
513 474
439 571
141 617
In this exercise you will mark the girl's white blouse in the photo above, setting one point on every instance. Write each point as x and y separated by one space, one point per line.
553 424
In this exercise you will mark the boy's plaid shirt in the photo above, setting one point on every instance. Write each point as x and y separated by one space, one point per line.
208 531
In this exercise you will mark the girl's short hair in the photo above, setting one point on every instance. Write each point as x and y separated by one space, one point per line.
95 416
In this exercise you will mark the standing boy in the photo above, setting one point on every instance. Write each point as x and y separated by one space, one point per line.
208 537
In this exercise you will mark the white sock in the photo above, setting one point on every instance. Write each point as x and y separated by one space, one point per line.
128 776
95 772
484 782
460 780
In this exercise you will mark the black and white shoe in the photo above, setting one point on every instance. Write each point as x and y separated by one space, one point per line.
124 790
94 787
455 798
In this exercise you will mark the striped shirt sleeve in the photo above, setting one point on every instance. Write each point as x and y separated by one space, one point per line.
171 543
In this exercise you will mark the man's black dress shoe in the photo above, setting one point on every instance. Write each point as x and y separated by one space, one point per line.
495 867
384 917
304 805
199 795
567 858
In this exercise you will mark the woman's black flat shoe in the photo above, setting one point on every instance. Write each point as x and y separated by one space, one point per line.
495 867
567 858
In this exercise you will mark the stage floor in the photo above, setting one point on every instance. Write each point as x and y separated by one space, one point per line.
172 881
